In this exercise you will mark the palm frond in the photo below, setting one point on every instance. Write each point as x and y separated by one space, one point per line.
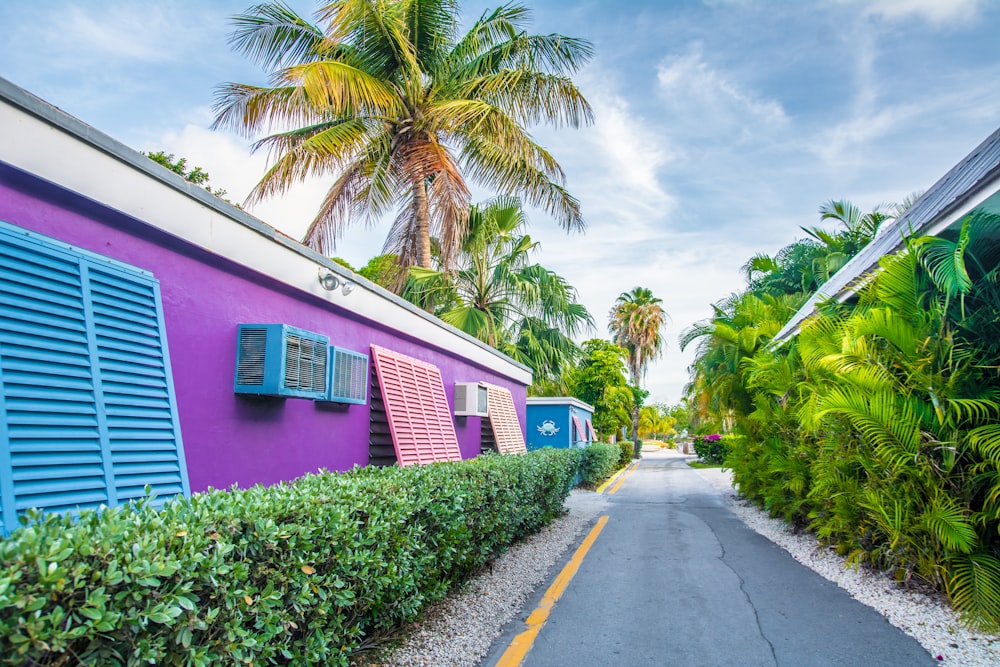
974 589
273 35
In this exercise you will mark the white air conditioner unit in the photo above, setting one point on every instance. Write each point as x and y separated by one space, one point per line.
471 400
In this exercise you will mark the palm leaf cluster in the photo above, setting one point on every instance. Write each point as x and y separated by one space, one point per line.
389 100
806 264
877 426
496 293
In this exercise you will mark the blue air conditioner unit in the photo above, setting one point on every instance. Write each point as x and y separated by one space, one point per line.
279 360
348 377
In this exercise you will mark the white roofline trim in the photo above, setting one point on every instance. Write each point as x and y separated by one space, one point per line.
560 400
48 143
842 284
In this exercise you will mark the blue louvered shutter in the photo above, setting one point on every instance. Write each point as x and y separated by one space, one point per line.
86 397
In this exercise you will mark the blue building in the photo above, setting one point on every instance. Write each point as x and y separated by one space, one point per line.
560 422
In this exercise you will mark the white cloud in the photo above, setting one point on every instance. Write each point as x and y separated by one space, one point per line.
633 149
936 12
126 32
711 99
230 165
850 143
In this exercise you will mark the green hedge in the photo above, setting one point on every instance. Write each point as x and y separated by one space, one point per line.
306 572
597 462
626 452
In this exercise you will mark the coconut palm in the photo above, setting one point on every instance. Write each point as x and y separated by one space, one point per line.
501 297
636 322
387 97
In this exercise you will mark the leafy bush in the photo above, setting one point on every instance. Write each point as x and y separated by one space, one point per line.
710 448
306 572
877 426
597 463
627 451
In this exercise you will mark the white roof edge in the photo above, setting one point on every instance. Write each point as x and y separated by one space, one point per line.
100 168
560 400
845 279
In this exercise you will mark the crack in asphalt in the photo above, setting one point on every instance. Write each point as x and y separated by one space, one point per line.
756 616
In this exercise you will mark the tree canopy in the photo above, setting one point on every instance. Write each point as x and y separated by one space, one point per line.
388 99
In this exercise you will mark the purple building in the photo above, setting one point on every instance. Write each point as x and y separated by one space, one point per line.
172 273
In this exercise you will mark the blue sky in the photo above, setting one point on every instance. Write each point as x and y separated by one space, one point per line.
722 125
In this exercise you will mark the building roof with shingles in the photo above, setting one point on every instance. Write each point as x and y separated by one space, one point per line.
966 186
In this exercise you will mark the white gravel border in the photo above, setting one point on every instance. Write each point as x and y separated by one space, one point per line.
927 619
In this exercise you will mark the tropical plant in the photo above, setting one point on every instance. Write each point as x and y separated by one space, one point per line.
742 325
388 98
655 422
497 294
876 425
636 322
195 175
804 265
600 380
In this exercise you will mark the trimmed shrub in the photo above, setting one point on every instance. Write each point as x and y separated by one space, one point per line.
627 451
306 572
597 463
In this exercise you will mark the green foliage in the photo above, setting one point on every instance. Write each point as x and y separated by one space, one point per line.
600 381
494 292
307 572
625 454
598 462
344 263
877 426
197 175
712 448
383 270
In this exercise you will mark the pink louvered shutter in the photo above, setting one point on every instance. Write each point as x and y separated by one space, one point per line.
416 408
503 419
590 430
578 430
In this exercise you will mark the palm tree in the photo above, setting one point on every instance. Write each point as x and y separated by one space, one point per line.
386 97
925 408
501 297
742 325
636 321
804 265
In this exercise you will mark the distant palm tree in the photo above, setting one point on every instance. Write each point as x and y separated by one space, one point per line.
636 321
386 97
497 294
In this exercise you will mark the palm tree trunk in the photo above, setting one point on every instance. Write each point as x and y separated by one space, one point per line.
636 449
423 222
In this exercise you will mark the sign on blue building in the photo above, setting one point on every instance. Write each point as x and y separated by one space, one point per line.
560 422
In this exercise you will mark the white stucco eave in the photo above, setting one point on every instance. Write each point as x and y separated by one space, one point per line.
37 138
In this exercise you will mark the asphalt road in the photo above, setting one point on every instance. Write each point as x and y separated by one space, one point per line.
677 579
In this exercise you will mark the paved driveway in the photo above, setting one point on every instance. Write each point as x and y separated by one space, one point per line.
675 579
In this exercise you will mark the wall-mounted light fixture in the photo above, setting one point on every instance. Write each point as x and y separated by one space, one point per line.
330 281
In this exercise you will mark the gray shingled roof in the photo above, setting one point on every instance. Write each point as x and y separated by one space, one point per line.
978 172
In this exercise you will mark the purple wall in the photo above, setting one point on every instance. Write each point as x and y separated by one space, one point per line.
230 439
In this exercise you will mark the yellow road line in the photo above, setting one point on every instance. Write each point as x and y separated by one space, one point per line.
611 480
621 479
521 644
